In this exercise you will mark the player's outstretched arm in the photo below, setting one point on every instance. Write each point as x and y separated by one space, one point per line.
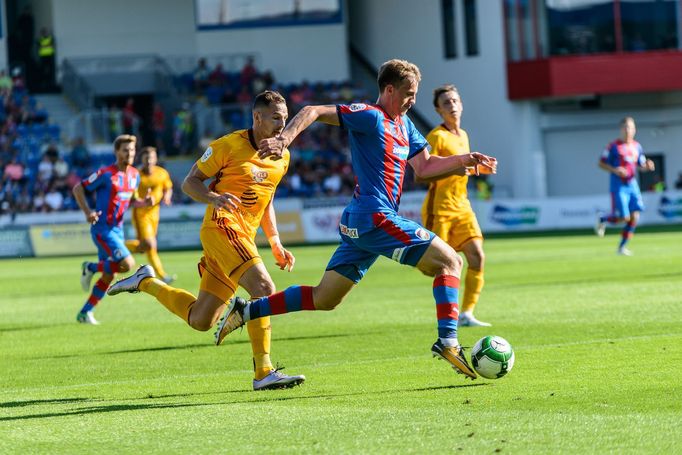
274 146
79 194
429 167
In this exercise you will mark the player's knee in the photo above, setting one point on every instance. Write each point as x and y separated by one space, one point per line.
202 325
451 265
126 264
263 288
477 259
325 301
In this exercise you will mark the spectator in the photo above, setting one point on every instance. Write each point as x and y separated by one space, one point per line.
217 76
200 76
159 127
5 82
248 72
678 182
80 156
14 170
39 201
46 55
129 117
24 201
54 200
46 166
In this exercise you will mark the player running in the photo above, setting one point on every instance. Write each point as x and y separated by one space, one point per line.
154 181
621 158
382 140
239 199
446 210
115 188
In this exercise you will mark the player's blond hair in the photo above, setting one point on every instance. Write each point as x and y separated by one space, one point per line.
438 91
124 139
395 72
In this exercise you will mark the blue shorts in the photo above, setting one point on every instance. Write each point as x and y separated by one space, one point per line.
365 236
110 243
625 201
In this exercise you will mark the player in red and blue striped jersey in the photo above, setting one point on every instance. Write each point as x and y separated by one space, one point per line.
115 188
621 159
383 141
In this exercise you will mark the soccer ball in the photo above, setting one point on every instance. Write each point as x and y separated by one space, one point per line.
492 357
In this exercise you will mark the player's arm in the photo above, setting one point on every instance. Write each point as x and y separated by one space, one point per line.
167 196
148 200
79 194
604 164
429 167
193 186
274 146
283 257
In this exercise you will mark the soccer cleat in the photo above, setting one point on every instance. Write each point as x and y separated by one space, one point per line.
277 380
86 276
455 357
168 279
231 320
599 226
132 283
87 318
622 251
471 321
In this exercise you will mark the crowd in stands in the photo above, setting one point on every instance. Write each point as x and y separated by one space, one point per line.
38 171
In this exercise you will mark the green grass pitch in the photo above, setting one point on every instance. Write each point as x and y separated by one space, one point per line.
598 342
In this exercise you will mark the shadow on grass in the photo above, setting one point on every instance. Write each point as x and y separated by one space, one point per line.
21 404
265 396
30 327
202 345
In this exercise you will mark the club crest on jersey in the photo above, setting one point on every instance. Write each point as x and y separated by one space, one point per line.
258 174
355 107
207 154
422 234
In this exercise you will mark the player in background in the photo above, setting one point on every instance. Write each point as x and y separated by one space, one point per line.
446 210
239 199
621 158
383 141
115 187
155 182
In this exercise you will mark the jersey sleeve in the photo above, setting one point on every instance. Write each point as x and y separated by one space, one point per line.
417 141
167 182
641 158
436 143
608 155
357 117
94 180
211 162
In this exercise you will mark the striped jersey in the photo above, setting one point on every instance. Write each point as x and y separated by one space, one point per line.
233 163
623 154
380 148
114 189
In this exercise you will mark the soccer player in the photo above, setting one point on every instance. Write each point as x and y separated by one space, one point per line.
115 188
446 210
239 199
621 158
154 181
383 141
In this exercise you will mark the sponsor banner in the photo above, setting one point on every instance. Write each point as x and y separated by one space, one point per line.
61 239
322 224
15 243
173 234
289 226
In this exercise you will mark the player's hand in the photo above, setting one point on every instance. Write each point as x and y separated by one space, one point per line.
482 164
272 147
149 199
226 201
283 257
649 165
621 172
167 200
93 216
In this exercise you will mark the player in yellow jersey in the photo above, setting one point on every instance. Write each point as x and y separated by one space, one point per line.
239 199
447 210
154 182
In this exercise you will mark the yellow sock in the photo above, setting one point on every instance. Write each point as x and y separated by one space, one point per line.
260 335
473 283
132 245
155 262
177 301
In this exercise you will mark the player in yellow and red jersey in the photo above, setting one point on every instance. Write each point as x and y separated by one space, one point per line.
155 182
239 199
446 210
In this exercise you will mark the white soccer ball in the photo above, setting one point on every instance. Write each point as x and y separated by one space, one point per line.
492 357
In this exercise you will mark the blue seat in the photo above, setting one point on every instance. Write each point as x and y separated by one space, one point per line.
38 130
54 131
22 130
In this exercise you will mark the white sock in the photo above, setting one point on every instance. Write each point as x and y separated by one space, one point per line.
449 342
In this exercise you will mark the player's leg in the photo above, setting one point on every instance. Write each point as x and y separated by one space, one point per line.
134 244
111 246
149 245
258 283
345 269
618 205
473 283
635 207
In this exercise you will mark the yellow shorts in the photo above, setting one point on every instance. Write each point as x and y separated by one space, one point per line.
146 223
456 229
228 253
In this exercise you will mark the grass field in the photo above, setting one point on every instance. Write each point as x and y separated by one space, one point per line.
598 341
